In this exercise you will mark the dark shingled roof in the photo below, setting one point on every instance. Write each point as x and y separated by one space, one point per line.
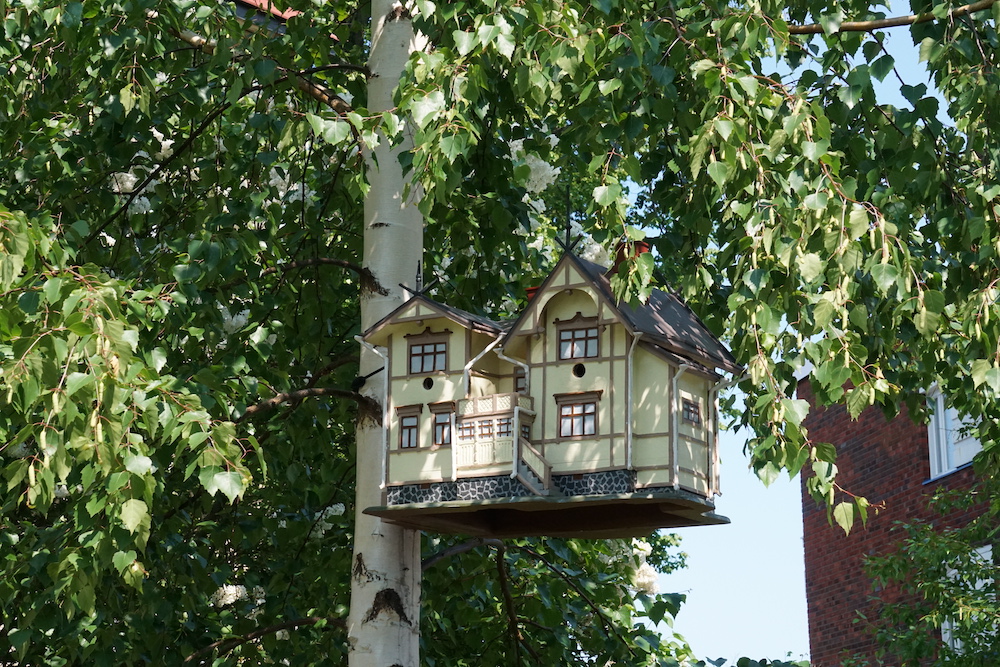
666 320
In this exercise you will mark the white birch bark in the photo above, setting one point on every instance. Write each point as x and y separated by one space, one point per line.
384 620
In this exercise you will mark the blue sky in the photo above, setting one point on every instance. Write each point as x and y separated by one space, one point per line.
745 581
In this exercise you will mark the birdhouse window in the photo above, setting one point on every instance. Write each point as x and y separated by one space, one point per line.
444 417
691 412
520 381
577 414
505 427
526 430
578 343
408 432
486 429
409 426
577 419
466 432
428 357
442 429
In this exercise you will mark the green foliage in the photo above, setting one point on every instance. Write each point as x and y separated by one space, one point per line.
938 578
180 227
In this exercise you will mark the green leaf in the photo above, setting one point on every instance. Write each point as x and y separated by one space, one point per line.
123 559
465 41
811 266
76 381
795 409
606 195
843 515
332 131
133 514
826 452
425 107
719 172
885 276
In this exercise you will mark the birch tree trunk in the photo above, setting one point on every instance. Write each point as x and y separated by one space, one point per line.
384 623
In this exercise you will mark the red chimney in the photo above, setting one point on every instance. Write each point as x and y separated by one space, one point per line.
621 253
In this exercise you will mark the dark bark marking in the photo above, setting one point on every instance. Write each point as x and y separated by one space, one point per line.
387 599
397 13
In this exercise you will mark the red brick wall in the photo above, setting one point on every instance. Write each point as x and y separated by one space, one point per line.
887 462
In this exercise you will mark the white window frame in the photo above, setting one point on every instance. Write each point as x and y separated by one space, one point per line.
949 447
985 553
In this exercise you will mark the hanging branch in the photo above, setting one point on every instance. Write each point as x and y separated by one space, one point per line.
226 645
368 406
609 627
310 88
878 24
368 281
513 629
456 549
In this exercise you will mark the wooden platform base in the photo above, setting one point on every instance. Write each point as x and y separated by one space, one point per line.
594 517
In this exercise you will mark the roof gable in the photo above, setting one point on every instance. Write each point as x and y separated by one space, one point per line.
664 318
421 307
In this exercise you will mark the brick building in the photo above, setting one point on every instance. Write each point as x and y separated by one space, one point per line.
894 462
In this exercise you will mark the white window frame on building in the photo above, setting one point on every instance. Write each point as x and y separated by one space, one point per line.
950 444
984 553
444 422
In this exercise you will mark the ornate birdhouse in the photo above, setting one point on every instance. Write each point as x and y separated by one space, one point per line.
582 418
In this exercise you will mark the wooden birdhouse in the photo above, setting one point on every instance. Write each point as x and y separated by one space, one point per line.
582 418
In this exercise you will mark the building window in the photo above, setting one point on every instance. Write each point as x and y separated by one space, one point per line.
486 429
951 445
578 414
526 430
408 432
428 357
466 431
578 343
520 381
409 425
691 412
983 556
505 427
577 419
442 428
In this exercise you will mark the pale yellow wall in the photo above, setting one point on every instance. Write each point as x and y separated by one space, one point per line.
420 465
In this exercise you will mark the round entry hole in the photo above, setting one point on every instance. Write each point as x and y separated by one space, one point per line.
428 383
579 370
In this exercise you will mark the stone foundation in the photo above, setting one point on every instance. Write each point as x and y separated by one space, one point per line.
608 482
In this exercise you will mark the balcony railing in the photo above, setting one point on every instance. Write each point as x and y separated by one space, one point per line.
493 404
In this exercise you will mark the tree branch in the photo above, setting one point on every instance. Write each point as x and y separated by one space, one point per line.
368 280
226 645
508 602
609 628
316 91
366 404
456 549
159 168
878 24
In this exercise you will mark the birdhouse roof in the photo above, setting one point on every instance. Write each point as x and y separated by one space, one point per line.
423 307
664 319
